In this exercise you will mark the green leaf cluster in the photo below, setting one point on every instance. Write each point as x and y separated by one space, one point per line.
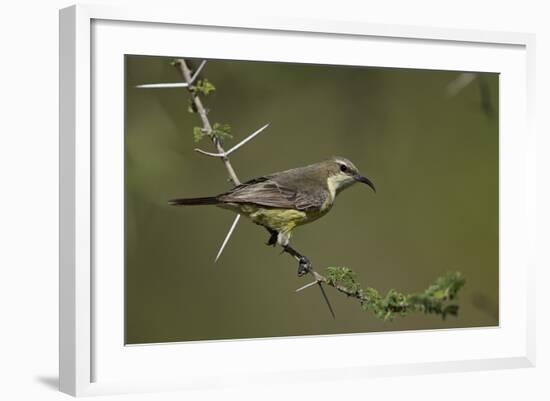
204 86
387 306
198 134
221 131
433 300
344 277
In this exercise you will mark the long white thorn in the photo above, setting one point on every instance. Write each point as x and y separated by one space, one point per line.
196 74
307 286
460 82
164 85
229 233
237 146
174 84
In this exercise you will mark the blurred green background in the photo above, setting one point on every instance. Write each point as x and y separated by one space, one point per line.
433 157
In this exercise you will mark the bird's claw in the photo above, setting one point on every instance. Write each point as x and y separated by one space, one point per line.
272 241
304 266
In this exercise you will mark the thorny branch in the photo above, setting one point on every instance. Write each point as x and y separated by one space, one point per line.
207 127
433 300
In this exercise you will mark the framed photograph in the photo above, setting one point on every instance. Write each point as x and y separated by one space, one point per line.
270 200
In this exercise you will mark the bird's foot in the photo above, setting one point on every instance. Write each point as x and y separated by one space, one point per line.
304 266
272 241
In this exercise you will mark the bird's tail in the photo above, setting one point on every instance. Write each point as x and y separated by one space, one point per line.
209 200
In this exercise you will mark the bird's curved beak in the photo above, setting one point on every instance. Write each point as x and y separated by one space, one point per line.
364 180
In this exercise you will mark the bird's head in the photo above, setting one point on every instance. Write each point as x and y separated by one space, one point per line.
341 174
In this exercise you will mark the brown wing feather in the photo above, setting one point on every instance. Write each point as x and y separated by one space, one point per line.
271 192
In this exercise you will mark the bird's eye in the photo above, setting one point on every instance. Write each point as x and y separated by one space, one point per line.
343 168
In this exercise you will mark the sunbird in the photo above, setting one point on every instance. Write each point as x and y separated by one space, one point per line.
282 201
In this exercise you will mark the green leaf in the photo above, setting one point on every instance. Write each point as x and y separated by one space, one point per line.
221 131
205 87
198 134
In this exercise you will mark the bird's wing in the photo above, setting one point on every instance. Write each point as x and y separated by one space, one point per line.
271 192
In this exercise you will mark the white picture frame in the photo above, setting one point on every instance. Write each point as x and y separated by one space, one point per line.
92 355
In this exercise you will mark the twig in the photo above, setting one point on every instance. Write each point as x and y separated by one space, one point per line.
207 127
319 278
433 300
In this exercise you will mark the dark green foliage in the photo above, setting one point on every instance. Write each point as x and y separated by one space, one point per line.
433 300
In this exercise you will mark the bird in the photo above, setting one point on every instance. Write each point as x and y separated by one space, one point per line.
282 201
